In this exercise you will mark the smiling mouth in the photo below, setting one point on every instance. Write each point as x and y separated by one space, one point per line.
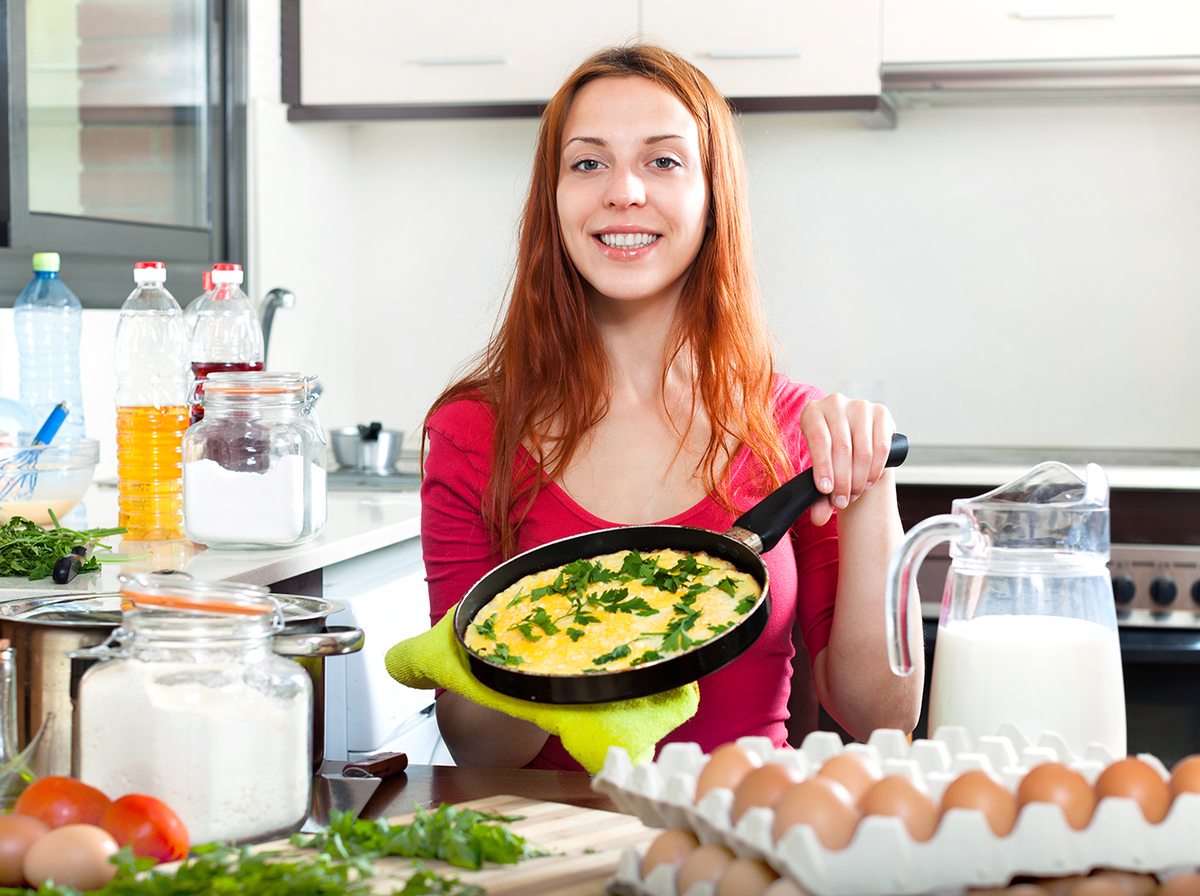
627 240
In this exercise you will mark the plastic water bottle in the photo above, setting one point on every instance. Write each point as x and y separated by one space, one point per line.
189 313
227 335
152 414
48 319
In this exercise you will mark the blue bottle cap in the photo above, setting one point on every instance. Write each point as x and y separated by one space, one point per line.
45 261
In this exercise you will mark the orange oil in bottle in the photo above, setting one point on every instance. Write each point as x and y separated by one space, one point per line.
150 471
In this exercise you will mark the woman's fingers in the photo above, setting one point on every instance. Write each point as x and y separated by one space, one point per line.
849 441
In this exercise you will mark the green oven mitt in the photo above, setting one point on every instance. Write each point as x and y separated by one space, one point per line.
435 659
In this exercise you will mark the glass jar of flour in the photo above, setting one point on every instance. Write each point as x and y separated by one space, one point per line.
254 467
190 704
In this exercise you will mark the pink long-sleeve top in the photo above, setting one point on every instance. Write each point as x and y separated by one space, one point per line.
747 697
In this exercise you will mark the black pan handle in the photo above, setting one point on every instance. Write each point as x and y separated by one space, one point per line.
771 517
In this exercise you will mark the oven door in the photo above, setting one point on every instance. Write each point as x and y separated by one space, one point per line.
1162 690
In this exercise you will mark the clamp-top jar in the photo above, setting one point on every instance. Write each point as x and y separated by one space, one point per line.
190 704
254 467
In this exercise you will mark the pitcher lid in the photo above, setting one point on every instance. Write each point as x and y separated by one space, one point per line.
1050 506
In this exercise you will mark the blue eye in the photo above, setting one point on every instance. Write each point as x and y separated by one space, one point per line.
664 163
586 165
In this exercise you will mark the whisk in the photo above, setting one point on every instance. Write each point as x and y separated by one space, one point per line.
18 473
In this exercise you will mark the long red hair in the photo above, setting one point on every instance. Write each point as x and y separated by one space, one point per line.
544 372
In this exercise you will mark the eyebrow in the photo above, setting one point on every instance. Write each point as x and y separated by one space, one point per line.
597 141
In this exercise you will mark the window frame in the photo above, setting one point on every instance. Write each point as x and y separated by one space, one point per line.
98 254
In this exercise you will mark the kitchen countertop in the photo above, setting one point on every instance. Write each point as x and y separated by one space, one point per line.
989 467
359 522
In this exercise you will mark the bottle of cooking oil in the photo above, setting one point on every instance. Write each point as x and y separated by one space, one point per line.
152 409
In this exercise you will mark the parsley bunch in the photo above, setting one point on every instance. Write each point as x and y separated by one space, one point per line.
26 549
462 837
225 871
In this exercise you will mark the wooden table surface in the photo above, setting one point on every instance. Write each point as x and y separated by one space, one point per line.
431 785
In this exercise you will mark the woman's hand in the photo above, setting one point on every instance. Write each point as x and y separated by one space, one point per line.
849 440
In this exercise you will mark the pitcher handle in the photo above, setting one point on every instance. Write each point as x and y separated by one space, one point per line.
902 581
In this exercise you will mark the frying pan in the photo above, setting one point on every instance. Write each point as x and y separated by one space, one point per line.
754 533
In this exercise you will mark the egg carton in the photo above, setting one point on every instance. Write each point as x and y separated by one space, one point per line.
882 859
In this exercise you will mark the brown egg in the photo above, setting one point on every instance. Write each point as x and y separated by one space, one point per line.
1053 782
1060 886
706 863
856 773
822 803
75 855
726 767
899 797
977 789
784 887
762 787
1133 778
1186 884
670 847
746 877
17 834
1185 776
1134 884
1014 890
1099 886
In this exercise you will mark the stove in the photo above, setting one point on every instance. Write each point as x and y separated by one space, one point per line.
404 477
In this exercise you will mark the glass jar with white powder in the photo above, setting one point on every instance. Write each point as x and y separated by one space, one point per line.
254 467
190 704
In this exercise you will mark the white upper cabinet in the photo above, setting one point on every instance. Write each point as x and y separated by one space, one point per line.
1025 30
398 51
774 48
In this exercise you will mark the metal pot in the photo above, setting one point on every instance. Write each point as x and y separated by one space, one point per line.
46 631
369 449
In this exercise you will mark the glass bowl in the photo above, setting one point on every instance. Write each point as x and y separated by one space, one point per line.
37 479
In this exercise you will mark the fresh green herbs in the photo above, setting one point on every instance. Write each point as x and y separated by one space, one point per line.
26 549
227 871
462 837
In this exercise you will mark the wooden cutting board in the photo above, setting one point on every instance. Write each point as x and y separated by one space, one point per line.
587 844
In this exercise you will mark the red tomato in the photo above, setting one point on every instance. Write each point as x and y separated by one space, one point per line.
57 801
147 824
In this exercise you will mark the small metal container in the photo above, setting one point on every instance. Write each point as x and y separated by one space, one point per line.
357 450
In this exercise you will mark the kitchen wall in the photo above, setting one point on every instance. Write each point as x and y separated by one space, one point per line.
1003 275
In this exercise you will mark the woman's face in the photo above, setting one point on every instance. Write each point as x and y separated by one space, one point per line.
632 198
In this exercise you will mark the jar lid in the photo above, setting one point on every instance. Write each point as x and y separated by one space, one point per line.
153 591
253 382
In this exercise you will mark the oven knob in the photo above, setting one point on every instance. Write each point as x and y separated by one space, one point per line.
1124 588
1196 591
1163 591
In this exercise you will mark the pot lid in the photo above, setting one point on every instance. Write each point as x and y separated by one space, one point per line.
104 610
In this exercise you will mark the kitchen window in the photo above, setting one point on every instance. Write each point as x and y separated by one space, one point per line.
125 140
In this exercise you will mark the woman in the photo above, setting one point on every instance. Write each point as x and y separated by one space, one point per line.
630 382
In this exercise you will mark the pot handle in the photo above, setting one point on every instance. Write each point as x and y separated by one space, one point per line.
336 640
775 514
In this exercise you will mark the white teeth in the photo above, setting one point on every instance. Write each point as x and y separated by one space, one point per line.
627 240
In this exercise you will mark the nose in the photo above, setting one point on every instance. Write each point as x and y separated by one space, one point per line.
625 188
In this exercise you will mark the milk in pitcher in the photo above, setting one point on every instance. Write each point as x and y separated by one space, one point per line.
1037 672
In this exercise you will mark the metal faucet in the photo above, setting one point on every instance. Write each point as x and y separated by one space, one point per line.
276 298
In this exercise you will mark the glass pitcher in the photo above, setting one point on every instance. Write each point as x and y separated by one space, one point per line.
1028 629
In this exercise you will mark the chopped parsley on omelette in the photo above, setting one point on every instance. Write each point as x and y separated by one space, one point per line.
611 612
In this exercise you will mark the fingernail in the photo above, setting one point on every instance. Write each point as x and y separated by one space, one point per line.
840 502
825 485
868 486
